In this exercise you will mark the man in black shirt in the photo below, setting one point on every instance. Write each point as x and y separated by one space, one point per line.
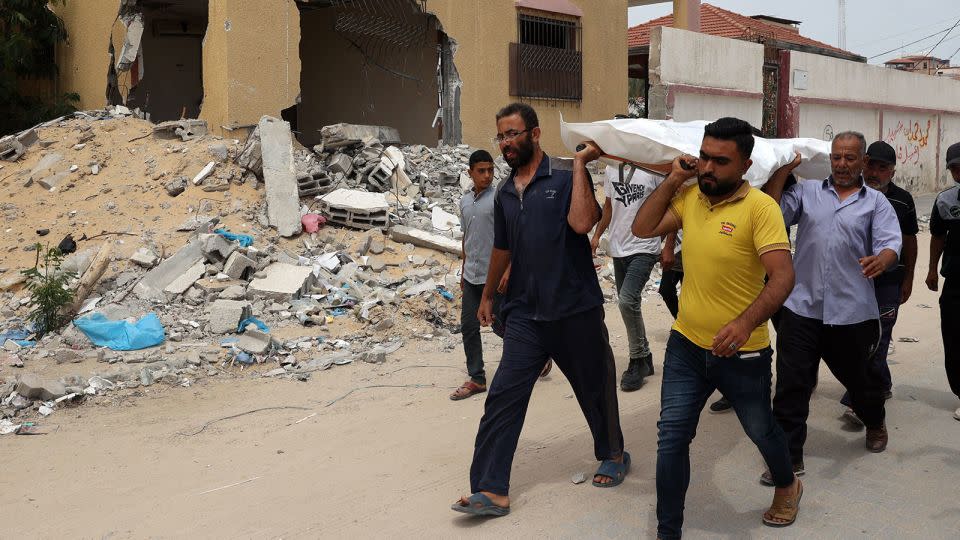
553 308
945 241
894 286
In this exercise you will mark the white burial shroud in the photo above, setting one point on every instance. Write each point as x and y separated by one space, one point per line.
657 142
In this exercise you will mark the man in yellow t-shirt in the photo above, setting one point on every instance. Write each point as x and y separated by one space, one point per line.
733 235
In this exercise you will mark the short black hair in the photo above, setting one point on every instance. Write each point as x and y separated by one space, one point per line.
525 111
480 156
733 129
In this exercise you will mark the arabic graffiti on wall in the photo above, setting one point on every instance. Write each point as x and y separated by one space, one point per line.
909 140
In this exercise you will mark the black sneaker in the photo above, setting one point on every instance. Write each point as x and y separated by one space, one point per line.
721 405
647 368
632 378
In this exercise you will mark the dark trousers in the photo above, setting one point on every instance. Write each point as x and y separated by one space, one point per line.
580 347
888 298
690 375
668 287
470 329
846 349
950 328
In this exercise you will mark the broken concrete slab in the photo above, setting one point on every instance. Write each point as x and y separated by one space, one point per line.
233 292
32 386
239 266
152 286
279 176
186 280
144 257
254 341
358 209
216 248
225 315
53 181
417 237
428 285
340 163
185 129
282 282
339 135
45 164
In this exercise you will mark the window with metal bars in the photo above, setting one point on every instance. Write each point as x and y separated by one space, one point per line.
546 62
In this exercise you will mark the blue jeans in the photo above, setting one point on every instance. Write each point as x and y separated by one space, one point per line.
690 375
631 274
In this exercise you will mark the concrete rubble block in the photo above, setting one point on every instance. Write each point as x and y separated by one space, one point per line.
357 209
279 176
214 285
417 237
152 286
340 163
176 186
251 157
11 149
225 315
204 173
233 292
218 151
53 181
282 282
185 129
32 386
46 163
254 341
144 257
186 280
339 135
216 248
312 183
425 286
239 266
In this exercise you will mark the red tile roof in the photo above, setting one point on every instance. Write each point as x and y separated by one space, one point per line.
723 23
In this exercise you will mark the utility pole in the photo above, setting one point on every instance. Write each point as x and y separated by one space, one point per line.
842 25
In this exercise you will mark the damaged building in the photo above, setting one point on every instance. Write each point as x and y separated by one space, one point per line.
435 70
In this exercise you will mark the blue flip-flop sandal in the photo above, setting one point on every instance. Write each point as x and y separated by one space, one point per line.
480 505
613 470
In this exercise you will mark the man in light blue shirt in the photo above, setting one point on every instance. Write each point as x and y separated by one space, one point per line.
847 235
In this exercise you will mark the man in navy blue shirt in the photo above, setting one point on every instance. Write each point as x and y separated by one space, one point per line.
553 309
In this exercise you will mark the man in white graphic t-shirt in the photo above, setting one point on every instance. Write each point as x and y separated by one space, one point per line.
626 187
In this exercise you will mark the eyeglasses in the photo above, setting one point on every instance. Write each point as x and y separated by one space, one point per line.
508 136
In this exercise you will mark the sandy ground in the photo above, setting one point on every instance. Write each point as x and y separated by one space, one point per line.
351 461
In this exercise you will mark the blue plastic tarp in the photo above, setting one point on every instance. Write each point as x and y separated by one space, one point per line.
252 320
245 240
18 336
122 335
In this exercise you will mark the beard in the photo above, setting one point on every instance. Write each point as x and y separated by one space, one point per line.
522 152
845 183
718 188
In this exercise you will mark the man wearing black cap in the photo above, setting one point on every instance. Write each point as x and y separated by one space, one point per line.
894 286
945 241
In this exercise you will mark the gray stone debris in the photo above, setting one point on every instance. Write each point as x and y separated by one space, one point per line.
357 209
225 315
254 341
215 247
185 129
176 186
144 257
282 282
152 286
234 292
279 176
32 386
239 266
339 135
186 280
417 237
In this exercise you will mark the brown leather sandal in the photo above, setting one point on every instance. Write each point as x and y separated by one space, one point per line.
547 368
784 509
468 389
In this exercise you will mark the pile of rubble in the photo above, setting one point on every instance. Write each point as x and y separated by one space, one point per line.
307 259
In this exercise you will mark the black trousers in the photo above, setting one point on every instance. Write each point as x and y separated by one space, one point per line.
580 347
950 328
847 351
470 329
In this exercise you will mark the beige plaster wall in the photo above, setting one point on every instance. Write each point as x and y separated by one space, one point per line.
484 29
84 60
